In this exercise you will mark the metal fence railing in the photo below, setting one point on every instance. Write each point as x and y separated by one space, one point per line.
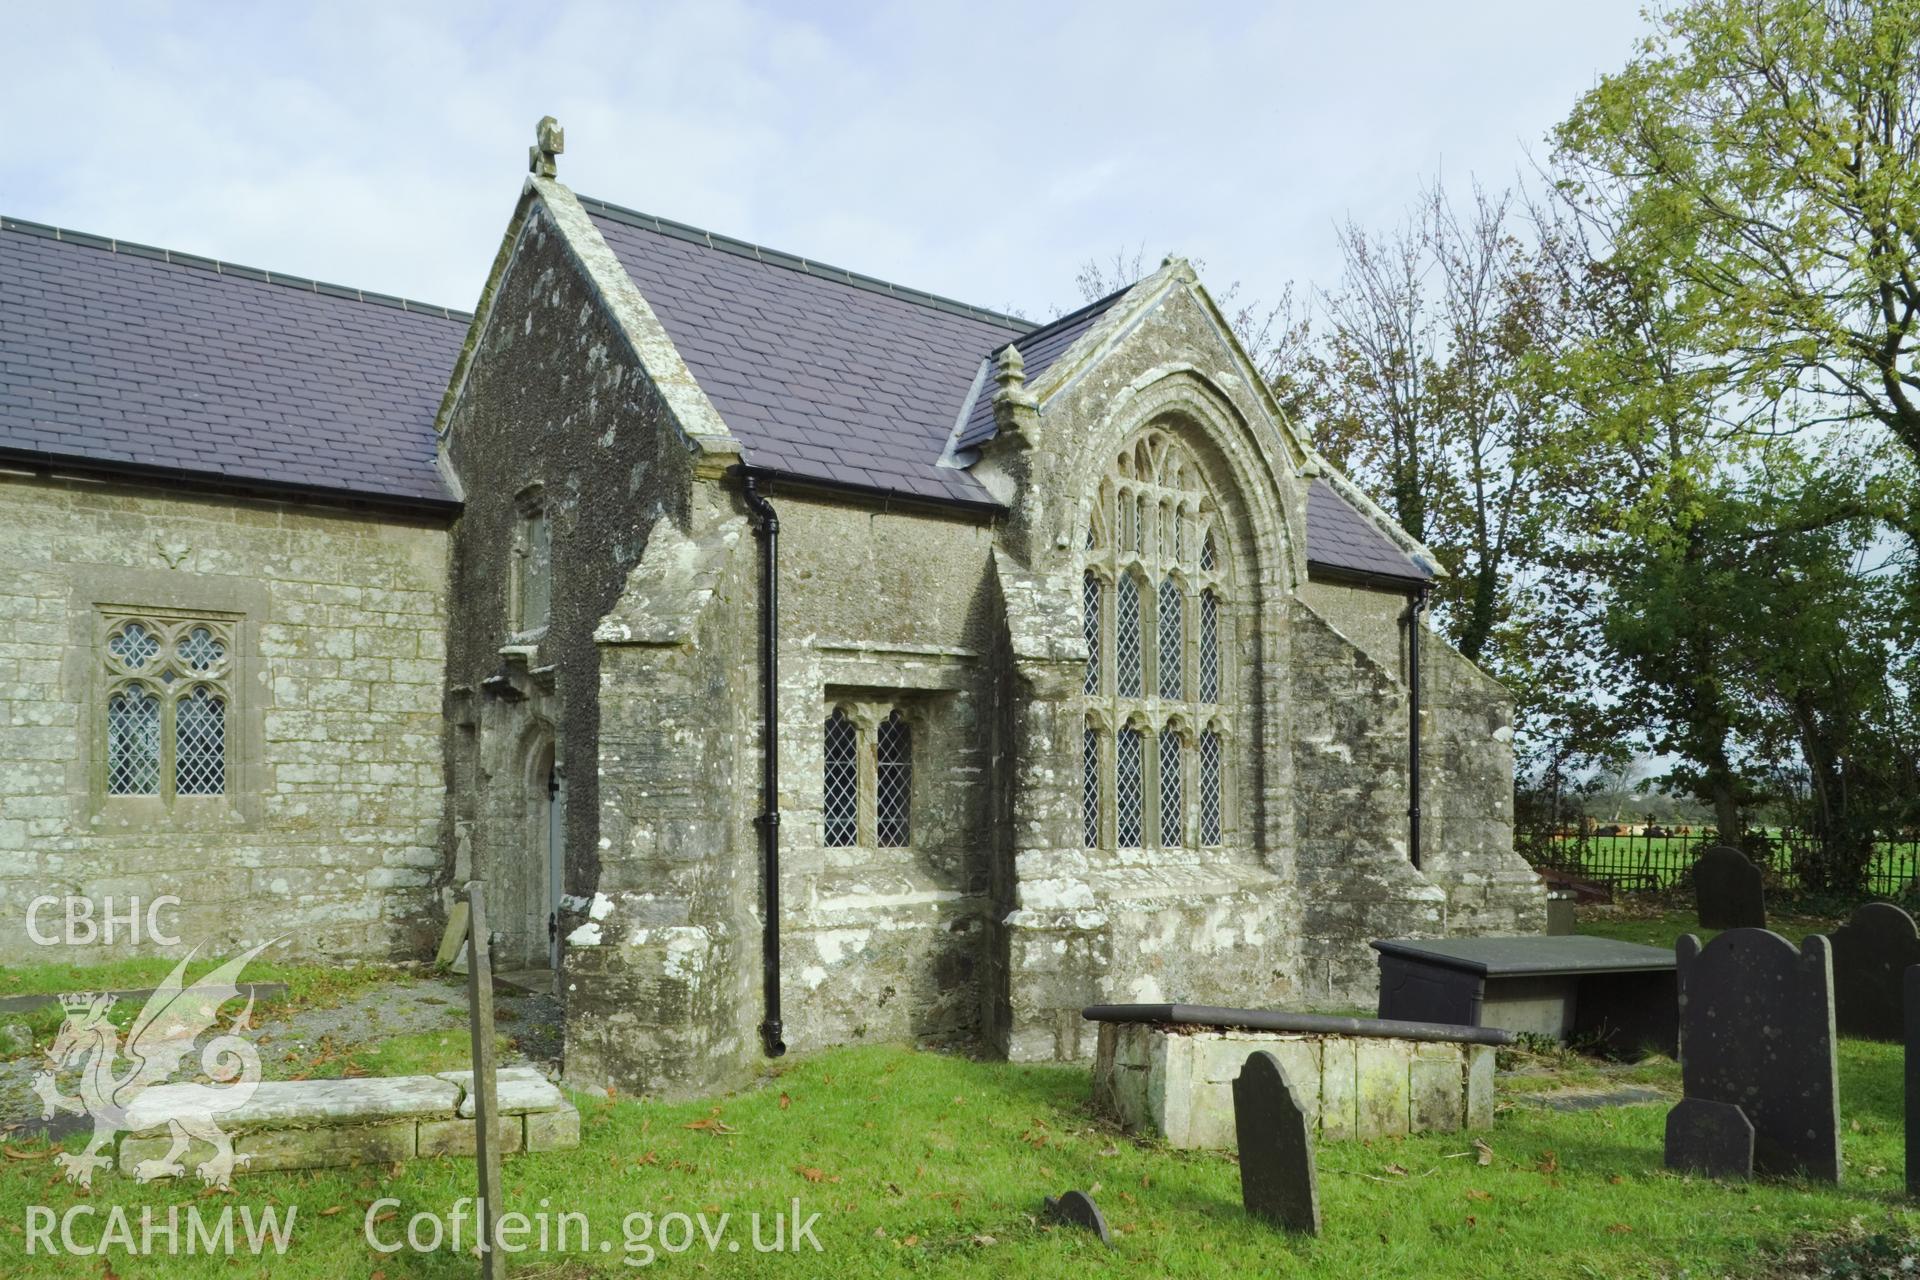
1649 856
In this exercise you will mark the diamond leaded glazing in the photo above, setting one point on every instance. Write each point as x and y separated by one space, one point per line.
1129 788
200 744
1169 681
201 650
1090 786
893 782
166 730
133 743
840 803
135 645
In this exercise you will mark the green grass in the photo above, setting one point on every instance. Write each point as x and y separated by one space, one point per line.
307 985
926 1164
1662 927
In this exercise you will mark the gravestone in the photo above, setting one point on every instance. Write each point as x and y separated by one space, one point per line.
1756 1031
1714 1138
1727 890
1913 1080
1077 1209
1871 952
1277 1179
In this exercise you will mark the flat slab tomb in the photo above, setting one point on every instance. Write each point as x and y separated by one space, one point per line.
1168 1070
1620 996
311 1124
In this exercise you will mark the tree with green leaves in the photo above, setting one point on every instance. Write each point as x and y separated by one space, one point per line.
1768 152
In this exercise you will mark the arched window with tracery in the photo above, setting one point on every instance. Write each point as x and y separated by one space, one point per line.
1157 600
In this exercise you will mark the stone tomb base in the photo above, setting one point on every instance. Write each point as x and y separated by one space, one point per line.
1177 1084
310 1124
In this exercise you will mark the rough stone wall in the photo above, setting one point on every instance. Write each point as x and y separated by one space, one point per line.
330 833
1356 879
552 399
1357 882
1466 798
883 609
1083 924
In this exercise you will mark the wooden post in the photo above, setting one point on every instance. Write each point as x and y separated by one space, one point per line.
486 1145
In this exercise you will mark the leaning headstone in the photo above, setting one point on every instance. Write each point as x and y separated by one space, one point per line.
1714 1138
1870 953
1276 1147
1077 1209
1913 1080
1756 1030
1727 890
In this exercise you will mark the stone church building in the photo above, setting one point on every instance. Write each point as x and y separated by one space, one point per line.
1088 680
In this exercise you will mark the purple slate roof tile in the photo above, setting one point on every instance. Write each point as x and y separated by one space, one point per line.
816 371
122 353
1038 351
1341 539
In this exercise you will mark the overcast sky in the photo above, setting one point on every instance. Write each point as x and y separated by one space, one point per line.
979 150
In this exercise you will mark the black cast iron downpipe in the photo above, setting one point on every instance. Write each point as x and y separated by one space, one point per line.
1419 604
767 531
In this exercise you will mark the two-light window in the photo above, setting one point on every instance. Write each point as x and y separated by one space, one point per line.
1154 605
167 712
867 782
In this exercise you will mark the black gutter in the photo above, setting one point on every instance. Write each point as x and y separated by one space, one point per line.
892 497
767 531
54 466
1418 606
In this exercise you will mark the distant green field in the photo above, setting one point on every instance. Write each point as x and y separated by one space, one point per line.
1660 862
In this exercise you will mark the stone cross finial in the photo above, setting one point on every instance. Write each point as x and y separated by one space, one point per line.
549 141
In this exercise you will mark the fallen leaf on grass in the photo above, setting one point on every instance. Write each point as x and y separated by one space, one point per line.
812 1174
1619 1229
331 1209
1397 1170
1476 1194
1485 1152
713 1124
1549 1163
785 1102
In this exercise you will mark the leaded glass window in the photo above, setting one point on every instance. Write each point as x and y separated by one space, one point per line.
200 744
1090 786
1126 637
168 699
1172 643
893 782
1209 647
1090 627
1129 788
1209 788
1172 814
840 803
1171 548
133 743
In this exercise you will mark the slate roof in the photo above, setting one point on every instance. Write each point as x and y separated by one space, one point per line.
1038 350
1340 539
123 354
818 372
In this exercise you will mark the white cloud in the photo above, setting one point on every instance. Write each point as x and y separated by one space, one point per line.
980 150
